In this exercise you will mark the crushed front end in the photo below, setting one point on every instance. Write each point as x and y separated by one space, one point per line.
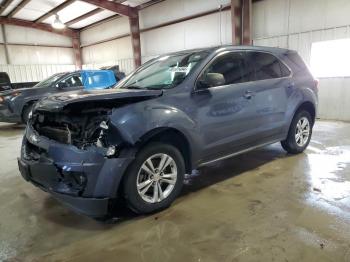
76 155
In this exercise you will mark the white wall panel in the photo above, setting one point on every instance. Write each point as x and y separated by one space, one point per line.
110 29
309 21
174 9
23 35
200 32
118 51
2 55
334 95
33 73
39 55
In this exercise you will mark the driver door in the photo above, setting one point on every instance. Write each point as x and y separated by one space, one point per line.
226 111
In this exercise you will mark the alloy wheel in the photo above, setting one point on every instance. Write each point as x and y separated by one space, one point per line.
156 178
302 131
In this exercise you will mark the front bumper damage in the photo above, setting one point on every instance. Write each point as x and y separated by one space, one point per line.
83 179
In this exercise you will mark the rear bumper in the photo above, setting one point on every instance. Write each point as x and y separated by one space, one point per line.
84 180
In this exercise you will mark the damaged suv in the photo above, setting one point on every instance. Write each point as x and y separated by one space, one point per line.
176 113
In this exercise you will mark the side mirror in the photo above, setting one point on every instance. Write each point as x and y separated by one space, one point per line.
211 80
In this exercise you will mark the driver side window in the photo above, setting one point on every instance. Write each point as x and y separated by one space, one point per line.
71 81
227 69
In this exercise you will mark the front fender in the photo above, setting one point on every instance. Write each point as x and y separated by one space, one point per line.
136 120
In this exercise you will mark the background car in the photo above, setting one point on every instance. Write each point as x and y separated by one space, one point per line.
6 84
15 105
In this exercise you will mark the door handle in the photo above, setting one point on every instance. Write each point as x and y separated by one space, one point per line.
248 94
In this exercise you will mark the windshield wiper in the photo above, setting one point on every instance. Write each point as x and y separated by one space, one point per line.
133 87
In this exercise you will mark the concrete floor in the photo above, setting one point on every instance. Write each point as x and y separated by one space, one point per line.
260 206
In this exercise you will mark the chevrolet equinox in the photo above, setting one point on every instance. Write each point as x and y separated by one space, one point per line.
175 113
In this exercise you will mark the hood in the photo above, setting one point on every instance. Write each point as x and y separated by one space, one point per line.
57 102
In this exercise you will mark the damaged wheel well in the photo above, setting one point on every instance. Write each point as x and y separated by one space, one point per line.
173 137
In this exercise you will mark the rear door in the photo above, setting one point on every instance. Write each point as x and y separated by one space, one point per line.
270 90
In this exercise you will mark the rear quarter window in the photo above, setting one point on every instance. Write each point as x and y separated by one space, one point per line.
267 66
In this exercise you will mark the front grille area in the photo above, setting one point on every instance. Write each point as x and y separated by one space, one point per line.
79 129
61 135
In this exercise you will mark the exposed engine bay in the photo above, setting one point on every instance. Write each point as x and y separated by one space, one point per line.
81 126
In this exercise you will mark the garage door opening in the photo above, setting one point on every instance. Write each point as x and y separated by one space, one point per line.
331 58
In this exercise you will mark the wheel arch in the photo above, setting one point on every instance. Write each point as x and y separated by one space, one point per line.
309 107
172 136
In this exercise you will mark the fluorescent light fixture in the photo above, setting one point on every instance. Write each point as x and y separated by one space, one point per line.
57 23
330 58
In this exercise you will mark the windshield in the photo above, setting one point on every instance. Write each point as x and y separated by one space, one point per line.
164 72
48 81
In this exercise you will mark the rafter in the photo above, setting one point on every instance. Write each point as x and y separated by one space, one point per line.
114 7
54 10
40 26
4 5
84 16
18 8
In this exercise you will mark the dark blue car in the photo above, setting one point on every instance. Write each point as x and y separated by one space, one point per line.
15 105
174 114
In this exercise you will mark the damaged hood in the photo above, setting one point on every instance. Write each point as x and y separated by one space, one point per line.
58 102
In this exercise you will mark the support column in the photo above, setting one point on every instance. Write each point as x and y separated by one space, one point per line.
236 18
3 32
247 22
135 38
77 51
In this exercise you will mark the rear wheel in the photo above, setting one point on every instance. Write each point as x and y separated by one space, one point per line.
155 178
299 134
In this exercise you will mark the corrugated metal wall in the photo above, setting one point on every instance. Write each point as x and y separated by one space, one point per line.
210 30
33 73
34 54
296 24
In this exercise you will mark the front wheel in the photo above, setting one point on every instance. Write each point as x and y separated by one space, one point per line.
299 134
154 179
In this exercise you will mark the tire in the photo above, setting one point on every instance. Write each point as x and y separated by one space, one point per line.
137 179
294 144
25 113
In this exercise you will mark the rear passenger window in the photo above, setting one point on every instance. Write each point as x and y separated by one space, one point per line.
267 66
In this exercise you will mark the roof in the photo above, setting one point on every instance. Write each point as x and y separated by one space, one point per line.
233 47
76 14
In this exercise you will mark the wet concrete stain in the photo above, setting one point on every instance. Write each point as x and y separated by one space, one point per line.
264 205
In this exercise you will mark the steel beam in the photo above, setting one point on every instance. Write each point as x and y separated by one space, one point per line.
77 51
135 39
114 7
4 5
54 11
4 37
18 8
40 26
236 21
84 16
247 22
